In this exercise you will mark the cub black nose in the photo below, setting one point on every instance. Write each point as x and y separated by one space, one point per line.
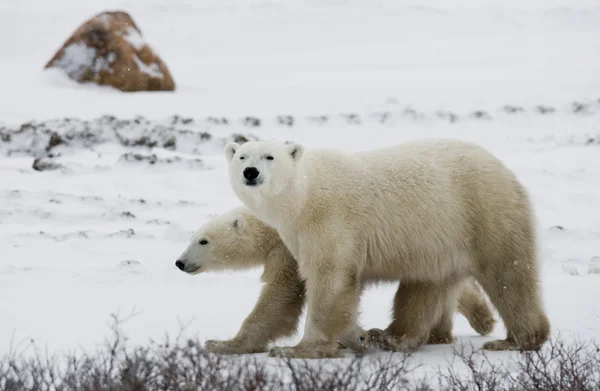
180 265
251 173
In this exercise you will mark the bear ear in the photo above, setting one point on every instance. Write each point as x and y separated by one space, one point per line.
239 222
230 150
295 150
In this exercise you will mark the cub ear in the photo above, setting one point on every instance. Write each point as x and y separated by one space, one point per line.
239 222
230 150
295 150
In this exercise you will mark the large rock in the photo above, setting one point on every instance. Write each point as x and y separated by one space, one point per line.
109 50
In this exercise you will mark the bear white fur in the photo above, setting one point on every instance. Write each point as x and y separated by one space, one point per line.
429 213
237 240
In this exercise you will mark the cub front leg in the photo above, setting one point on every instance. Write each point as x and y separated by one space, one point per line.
275 314
333 291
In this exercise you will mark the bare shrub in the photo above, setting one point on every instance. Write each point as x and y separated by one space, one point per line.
362 372
559 366
178 364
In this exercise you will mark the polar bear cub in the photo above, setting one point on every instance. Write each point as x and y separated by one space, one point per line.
237 240
430 213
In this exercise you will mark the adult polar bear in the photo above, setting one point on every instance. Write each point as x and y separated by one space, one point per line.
429 213
237 240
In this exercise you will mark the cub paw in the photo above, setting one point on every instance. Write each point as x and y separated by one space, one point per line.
308 352
500 345
231 347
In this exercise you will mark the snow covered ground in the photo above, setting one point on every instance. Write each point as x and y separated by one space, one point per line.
101 234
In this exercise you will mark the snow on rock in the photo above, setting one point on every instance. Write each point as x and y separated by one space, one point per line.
132 158
152 70
79 58
594 267
109 49
571 270
134 37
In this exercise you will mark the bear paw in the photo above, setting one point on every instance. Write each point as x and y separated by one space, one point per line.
305 351
384 340
483 323
232 347
509 344
370 339
440 339
351 341
501 344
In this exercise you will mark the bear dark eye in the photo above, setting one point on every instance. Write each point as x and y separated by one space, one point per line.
242 157
203 242
269 157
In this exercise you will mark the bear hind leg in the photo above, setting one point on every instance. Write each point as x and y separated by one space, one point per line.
420 308
515 292
475 308
442 332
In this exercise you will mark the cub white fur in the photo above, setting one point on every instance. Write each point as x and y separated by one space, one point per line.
237 240
430 213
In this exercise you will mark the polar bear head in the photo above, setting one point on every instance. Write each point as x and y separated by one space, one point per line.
262 168
232 241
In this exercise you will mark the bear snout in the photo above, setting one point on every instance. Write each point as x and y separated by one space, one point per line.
251 173
180 265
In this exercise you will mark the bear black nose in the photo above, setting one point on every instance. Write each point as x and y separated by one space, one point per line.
251 173
180 265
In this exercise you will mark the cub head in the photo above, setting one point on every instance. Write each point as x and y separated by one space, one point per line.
235 240
266 167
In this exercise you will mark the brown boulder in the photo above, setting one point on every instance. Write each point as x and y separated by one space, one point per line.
109 50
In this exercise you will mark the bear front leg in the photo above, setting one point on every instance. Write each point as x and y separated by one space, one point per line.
275 315
333 291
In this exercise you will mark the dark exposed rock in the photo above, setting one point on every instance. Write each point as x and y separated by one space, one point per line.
218 121
352 118
578 107
480 114
153 159
130 157
55 139
176 120
252 122
170 143
545 109
4 135
447 115
287 120
129 263
320 119
239 138
45 164
513 109
40 138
